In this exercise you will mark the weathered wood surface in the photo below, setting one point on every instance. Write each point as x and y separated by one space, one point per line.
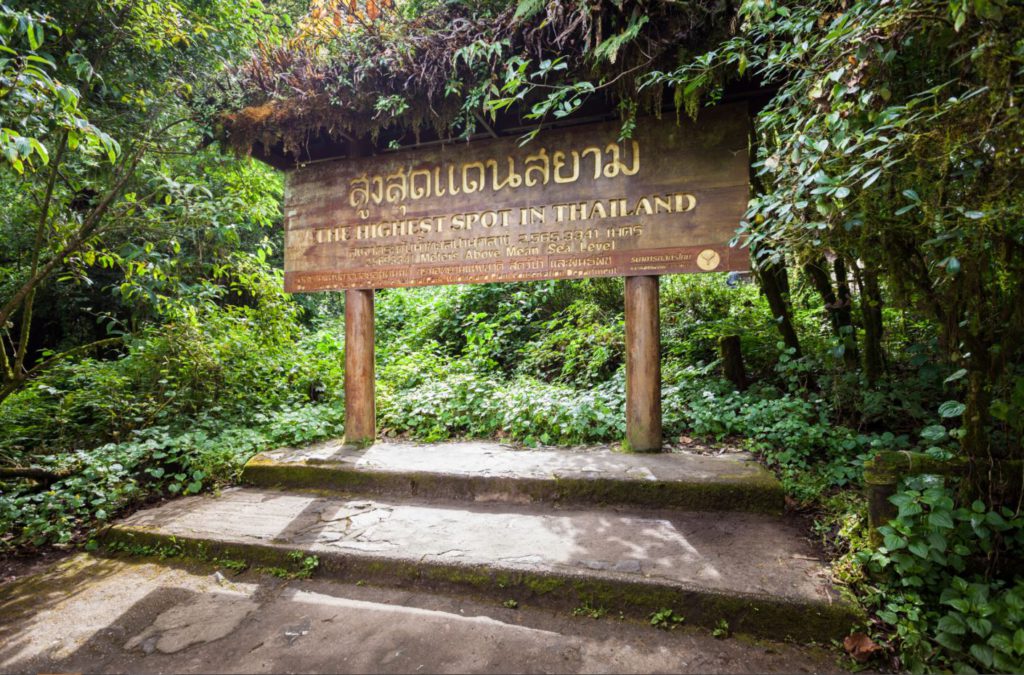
360 404
643 365
572 203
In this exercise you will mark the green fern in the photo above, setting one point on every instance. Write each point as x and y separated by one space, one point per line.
609 49
527 9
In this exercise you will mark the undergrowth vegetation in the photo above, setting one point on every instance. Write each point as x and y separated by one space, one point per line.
186 403
945 578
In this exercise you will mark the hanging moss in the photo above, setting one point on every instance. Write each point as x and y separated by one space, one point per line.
401 74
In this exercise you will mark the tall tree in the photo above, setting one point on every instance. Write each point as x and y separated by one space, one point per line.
99 102
896 137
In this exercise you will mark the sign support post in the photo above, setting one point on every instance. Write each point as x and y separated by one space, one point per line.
643 365
360 407
579 203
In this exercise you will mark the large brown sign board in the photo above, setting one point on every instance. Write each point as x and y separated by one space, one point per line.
571 203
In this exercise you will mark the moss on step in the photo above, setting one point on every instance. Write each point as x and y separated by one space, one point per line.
758 615
757 492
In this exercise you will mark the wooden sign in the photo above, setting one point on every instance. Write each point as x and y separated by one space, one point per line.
571 203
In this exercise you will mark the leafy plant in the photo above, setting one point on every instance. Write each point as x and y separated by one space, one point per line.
162 551
98 483
588 610
947 583
236 566
666 619
300 566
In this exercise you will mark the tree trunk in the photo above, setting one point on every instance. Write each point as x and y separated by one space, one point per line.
775 284
816 272
732 360
871 311
838 314
844 315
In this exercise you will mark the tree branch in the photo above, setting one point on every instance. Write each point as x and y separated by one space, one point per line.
92 222
41 475
12 386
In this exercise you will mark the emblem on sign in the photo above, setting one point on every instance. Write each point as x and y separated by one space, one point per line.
708 260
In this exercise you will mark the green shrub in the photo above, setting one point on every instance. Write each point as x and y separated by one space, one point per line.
537 412
948 580
102 481
584 344
207 361
460 405
697 309
530 411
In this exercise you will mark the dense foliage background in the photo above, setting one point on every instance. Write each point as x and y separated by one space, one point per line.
146 347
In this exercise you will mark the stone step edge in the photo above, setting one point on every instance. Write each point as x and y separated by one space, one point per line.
758 493
761 616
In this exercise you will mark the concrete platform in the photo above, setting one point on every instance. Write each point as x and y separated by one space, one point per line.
751 570
111 616
486 471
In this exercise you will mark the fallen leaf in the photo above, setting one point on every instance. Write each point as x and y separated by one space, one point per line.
860 647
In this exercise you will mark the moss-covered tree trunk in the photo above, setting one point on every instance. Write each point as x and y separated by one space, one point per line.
775 284
838 310
871 313
844 315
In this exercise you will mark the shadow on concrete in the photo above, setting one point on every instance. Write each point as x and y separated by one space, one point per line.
25 598
35 642
317 626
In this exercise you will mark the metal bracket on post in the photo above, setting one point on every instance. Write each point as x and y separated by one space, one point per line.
360 405
643 366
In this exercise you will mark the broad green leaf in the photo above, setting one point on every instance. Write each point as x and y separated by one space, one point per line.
948 640
952 409
35 35
983 653
952 623
956 376
980 626
940 519
919 548
893 542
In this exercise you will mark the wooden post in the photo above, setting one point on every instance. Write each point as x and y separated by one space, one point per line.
360 407
643 366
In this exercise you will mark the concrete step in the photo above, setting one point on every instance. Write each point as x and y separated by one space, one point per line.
487 471
754 571
92 615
